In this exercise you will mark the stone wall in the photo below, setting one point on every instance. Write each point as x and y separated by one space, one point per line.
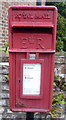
60 65
1 30
5 112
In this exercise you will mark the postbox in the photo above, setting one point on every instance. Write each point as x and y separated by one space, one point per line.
32 39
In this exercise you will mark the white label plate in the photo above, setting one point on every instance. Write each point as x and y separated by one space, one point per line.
31 78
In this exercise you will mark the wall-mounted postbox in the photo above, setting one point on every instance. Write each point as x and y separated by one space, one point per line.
32 39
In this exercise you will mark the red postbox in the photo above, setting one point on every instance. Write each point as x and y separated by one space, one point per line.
32 39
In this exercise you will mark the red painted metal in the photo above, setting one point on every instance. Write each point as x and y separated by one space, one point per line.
32 33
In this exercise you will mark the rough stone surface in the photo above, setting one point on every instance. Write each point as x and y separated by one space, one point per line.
60 65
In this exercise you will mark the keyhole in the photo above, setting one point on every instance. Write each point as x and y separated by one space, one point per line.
19 81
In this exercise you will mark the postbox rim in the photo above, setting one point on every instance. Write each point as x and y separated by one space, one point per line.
33 7
13 109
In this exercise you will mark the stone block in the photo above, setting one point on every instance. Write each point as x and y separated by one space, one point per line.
0 116
8 103
4 57
8 117
1 110
4 95
0 89
63 70
59 59
5 87
4 68
0 78
9 111
2 102
4 80
5 71
1 72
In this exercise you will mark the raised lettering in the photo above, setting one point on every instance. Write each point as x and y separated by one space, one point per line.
31 40
24 15
40 43
18 17
25 43
28 43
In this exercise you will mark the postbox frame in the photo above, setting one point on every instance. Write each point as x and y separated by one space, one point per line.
13 52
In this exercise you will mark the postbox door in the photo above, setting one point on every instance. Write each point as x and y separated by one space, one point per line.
33 99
